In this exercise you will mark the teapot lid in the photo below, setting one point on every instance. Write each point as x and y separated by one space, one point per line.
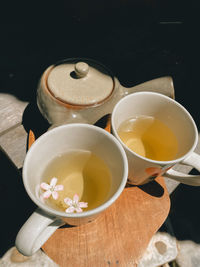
80 83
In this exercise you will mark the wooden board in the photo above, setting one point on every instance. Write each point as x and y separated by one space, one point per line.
119 236
11 111
14 143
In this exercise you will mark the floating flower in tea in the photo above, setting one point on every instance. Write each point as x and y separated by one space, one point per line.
74 205
51 189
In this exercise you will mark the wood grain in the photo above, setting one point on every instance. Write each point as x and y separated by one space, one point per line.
14 144
119 236
11 111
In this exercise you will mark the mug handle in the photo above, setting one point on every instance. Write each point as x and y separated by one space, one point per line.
194 161
35 232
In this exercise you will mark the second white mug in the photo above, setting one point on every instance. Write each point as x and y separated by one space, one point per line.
174 116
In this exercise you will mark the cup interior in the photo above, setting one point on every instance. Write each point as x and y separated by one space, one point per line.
75 136
163 108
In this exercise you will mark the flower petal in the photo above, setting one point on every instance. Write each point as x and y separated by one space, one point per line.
55 195
83 204
45 186
76 198
70 210
59 187
47 194
68 201
78 209
53 181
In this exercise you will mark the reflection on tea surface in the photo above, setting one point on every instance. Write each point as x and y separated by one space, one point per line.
149 137
81 173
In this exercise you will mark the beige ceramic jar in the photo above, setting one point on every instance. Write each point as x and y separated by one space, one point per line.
83 90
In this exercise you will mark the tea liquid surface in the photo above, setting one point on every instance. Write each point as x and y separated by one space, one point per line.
80 172
149 137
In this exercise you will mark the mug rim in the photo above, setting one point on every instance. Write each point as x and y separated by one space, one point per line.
159 162
88 213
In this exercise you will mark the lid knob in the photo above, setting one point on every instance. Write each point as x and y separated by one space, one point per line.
81 69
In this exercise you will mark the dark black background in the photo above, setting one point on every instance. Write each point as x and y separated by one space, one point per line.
137 40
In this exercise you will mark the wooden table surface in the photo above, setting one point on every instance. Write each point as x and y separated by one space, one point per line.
135 54
137 204
14 140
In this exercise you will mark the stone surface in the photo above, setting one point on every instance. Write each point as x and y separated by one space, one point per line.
188 254
38 259
161 249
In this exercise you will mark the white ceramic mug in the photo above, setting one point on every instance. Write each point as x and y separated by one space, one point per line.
177 118
45 220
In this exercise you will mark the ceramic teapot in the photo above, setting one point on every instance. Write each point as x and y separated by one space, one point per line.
84 90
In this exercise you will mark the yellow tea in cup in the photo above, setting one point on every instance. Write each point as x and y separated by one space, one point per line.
81 173
149 137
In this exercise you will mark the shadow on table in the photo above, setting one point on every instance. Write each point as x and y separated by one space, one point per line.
34 121
16 206
153 188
